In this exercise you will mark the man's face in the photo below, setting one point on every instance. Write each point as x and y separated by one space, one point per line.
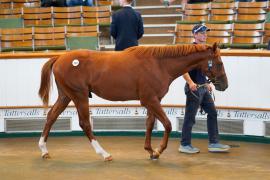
200 37
122 2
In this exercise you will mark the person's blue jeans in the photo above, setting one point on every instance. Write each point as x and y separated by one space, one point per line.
193 103
71 3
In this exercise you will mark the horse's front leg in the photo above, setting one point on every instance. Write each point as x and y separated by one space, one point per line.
150 121
153 105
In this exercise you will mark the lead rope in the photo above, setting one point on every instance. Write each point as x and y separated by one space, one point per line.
211 94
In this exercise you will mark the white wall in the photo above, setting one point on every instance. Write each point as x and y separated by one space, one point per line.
249 84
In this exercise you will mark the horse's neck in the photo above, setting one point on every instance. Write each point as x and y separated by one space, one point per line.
180 65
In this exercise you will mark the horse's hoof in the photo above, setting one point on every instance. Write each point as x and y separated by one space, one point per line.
108 159
46 156
155 155
156 152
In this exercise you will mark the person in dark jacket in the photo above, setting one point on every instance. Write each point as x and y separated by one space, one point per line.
55 3
197 91
126 27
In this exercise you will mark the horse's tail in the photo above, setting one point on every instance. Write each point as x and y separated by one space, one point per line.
45 83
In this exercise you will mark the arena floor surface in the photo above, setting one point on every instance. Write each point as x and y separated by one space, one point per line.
74 158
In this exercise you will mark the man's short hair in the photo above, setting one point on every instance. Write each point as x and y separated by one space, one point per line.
199 28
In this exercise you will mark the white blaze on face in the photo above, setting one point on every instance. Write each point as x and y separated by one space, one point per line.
75 62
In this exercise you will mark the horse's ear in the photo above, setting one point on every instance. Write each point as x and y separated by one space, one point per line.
215 46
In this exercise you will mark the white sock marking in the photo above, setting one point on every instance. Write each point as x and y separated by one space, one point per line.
99 149
42 146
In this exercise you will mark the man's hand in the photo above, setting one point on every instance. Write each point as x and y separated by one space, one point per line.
209 87
192 86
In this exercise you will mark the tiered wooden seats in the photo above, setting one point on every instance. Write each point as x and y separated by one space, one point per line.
38 16
223 1
67 16
222 5
90 15
248 26
195 15
103 2
252 11
222 15
77 31
197 6
49 38
222 11
13 4
266 37
247 35
60 16
220 33
196 12
5 4
233 24
16 39
25 3
183 34
104 14
96 15
10 13
49 24
82 37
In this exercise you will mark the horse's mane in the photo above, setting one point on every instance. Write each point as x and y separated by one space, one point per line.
167 51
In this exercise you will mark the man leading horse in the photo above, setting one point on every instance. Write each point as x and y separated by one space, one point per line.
197 91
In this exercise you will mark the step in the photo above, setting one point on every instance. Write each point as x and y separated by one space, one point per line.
145 10
154 3
158 29
156 40
146 40
161 19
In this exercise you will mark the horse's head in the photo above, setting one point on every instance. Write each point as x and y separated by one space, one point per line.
213 68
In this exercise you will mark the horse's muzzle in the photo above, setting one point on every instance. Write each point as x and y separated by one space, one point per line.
221 84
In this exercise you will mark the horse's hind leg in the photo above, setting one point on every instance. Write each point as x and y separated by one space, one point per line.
59 106
81 102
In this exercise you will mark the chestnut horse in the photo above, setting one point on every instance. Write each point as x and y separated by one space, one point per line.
137 73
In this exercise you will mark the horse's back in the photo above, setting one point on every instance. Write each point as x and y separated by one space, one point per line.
96 70
114 76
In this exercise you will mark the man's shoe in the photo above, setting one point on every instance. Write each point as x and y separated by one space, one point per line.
216 147
188 149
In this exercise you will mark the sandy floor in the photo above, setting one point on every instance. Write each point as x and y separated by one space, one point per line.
74 158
